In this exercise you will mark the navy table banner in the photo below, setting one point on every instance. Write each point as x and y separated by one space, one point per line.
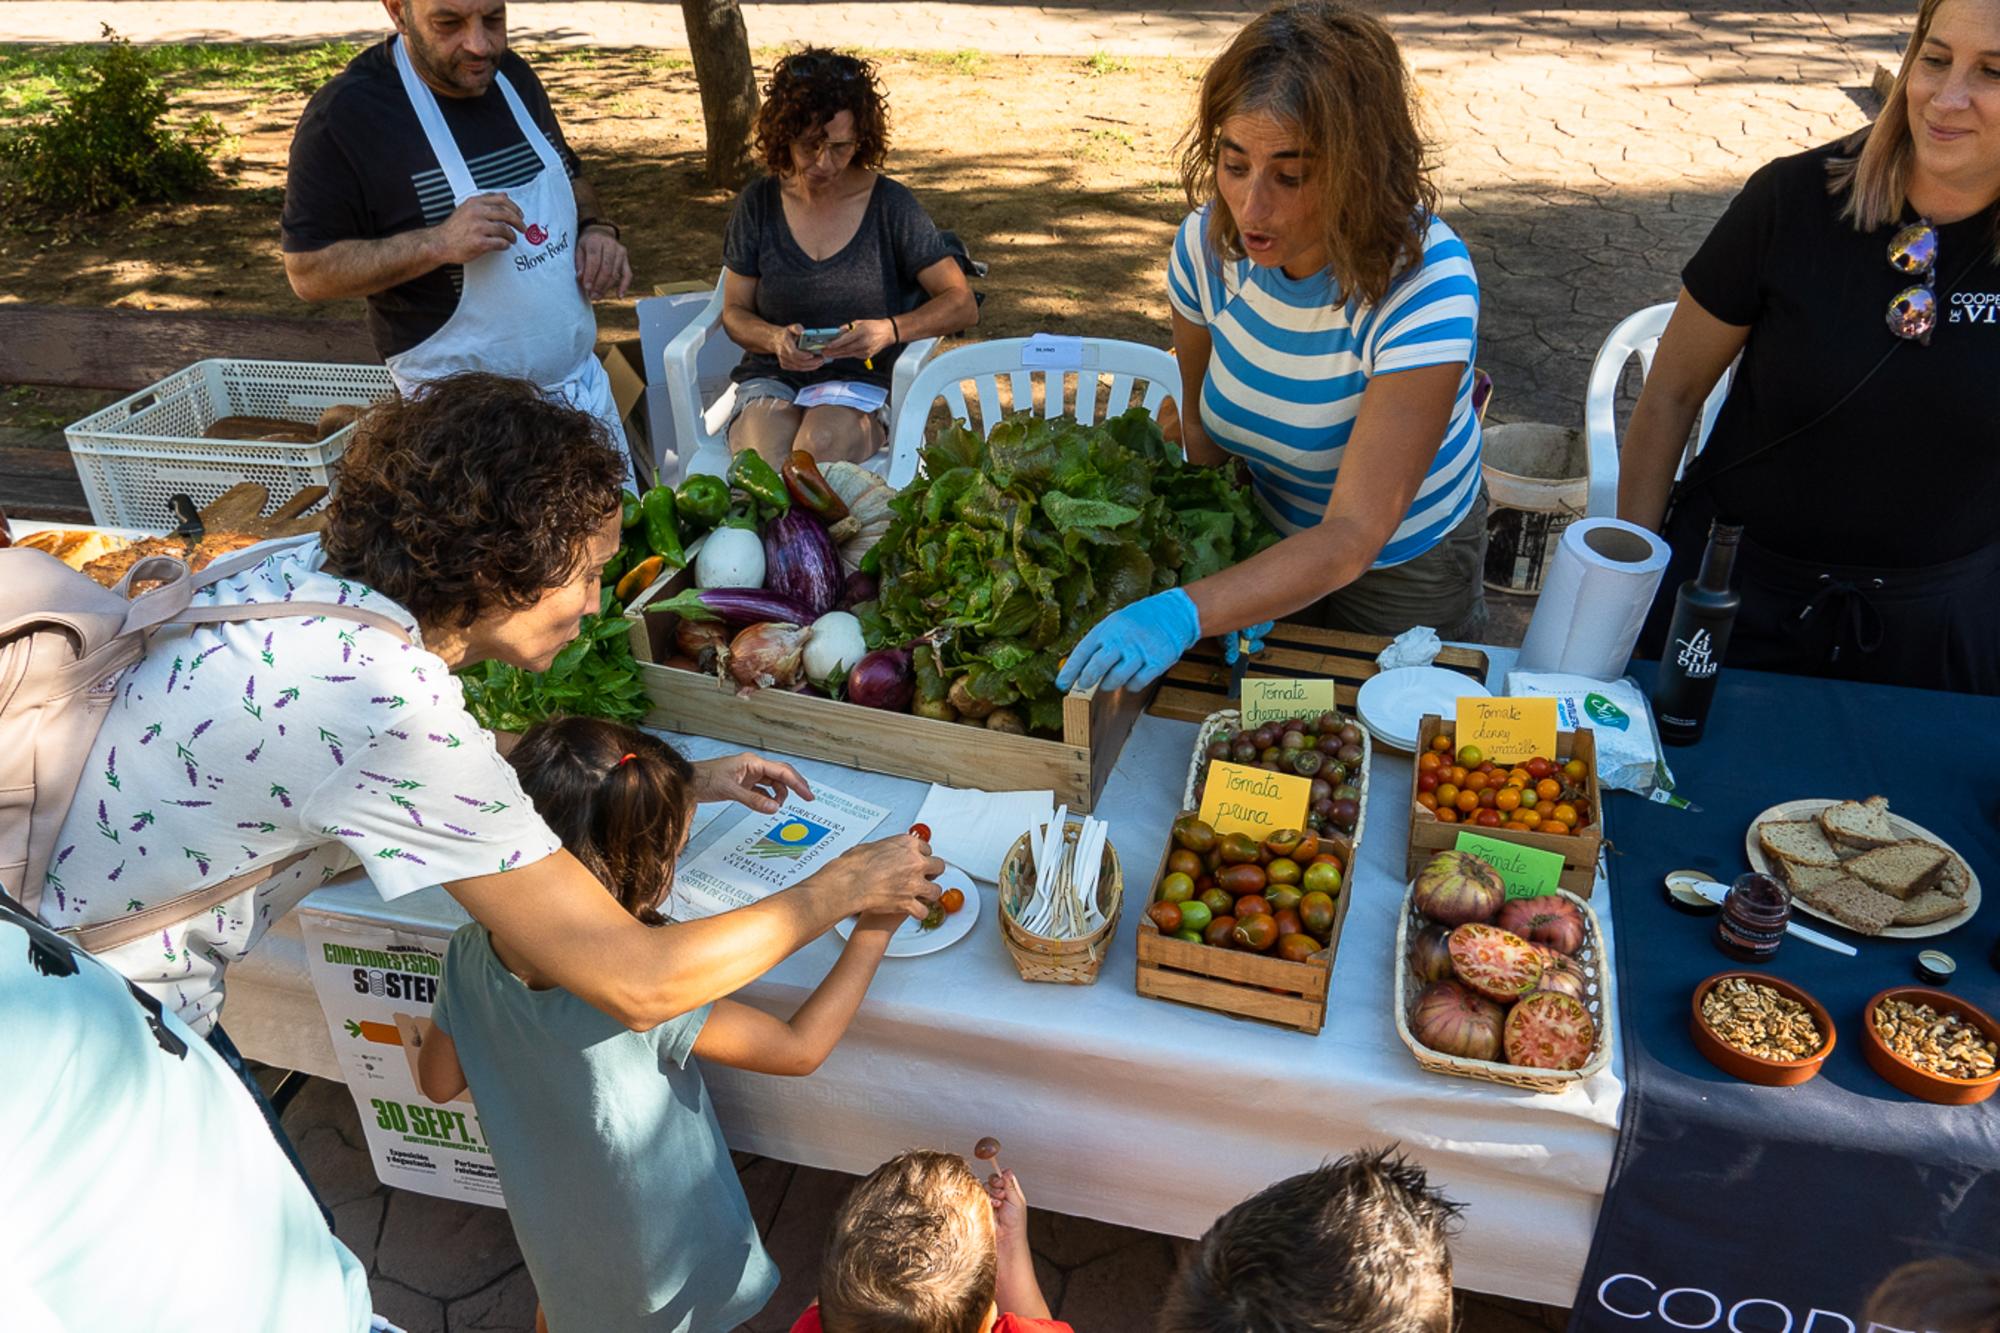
1745 1209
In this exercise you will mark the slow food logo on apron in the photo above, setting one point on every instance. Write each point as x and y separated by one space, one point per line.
537 234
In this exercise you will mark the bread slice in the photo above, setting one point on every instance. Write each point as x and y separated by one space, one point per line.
1803 880
1956 879
1798 842
1929 906
1859 824
1901 870
1852 903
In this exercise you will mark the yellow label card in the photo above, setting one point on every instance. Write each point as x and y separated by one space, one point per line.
1508 731
1528 872
1267 700
1239 799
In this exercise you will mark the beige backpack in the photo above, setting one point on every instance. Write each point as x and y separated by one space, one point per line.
64 643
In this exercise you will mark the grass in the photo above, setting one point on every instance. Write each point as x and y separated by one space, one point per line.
1101 64
967 61
32 76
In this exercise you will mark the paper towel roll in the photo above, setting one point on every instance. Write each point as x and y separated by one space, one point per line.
1595 599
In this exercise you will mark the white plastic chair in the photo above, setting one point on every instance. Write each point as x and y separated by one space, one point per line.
1023 361
1638 334
700 428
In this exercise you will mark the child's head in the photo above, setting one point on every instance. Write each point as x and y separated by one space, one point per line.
1354 1247
619 799
912 1251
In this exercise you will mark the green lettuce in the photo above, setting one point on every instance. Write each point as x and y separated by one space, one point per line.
1008 549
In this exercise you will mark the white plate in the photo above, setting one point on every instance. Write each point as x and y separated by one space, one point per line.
1392 704
1904 828
911 940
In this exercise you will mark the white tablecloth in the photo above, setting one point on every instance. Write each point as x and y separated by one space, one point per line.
1110 1106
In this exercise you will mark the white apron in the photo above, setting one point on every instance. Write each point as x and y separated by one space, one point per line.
521 311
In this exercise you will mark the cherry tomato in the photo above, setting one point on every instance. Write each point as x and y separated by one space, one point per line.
1539 768
1507 799
953 899
1475 781
1548 789
1467 802
1528 798
1487 819
1427 781
1429 761
1526 819
1489 799
1574 770
1458 775
1519 776
1447 815
1441 743
1470 755
922 832
1446 793
1566 813
1428 800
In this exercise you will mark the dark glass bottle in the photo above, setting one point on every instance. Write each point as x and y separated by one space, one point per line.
1704 610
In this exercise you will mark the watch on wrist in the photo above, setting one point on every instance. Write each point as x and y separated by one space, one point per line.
587 223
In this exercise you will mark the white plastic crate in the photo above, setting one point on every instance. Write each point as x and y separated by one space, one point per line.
136 454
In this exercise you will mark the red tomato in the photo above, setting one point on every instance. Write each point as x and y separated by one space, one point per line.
952 899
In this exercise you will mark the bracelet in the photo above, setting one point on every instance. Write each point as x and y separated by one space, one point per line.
896 334
587 223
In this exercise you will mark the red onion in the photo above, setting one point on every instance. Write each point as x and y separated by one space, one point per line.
883 679
859 588
769 655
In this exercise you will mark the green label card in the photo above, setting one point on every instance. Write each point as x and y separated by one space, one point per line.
1529 872
1266 700
1509 731
1239 799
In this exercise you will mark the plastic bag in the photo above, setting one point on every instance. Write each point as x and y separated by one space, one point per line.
1629 755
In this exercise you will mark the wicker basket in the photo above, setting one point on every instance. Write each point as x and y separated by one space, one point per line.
1227 718
1597 969
1070 962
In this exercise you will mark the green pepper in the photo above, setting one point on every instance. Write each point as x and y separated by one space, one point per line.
628 510
616 565
663 531
757 479
701 502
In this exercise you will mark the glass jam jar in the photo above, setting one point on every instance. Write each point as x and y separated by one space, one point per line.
1754 915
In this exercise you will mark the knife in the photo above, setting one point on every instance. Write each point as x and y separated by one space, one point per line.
1715 893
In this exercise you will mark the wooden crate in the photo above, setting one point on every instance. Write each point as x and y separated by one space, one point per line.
903 744
1242 985
1430 835
1199 683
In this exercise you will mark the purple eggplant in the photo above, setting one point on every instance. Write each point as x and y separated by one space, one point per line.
859 588
734 606
800 564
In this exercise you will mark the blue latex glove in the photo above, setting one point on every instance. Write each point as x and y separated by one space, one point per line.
1134 644
1254 633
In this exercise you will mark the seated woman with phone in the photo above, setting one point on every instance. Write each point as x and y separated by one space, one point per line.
829 268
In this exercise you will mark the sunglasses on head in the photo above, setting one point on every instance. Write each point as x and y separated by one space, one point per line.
1913 252
843 68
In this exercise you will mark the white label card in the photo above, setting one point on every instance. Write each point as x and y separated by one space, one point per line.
1053 351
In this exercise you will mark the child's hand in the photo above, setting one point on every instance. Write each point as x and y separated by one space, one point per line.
1010 1209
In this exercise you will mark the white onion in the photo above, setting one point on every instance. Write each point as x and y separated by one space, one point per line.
835 646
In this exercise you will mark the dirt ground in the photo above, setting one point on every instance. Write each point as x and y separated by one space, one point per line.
1056 172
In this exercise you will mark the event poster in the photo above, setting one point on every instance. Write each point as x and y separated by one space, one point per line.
761 854
376 985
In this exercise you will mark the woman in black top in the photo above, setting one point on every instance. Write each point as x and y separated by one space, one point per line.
1860 442
826 244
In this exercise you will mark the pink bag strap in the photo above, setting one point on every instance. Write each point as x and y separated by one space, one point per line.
110 934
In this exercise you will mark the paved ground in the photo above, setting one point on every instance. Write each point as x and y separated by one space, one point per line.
440 1267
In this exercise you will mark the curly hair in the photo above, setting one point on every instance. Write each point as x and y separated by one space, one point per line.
810 87
480 493
1335 77
1367 1243
619 798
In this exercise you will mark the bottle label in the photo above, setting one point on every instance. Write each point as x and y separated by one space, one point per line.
1696 655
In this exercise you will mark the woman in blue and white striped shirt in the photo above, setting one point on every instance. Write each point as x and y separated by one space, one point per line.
1326 322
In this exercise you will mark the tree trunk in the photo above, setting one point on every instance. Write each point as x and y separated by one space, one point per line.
722 69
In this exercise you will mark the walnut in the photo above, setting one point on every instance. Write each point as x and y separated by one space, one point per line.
1942 1044
1757 1020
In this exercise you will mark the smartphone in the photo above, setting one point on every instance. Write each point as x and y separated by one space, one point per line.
816 340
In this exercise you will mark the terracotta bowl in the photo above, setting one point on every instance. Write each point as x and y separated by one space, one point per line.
1755 1068
1919 1082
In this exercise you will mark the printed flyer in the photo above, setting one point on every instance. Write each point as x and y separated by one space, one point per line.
761 854
376 986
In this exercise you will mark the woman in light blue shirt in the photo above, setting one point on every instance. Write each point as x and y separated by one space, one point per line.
1326 322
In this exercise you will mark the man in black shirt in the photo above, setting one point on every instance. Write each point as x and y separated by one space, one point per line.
430 177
